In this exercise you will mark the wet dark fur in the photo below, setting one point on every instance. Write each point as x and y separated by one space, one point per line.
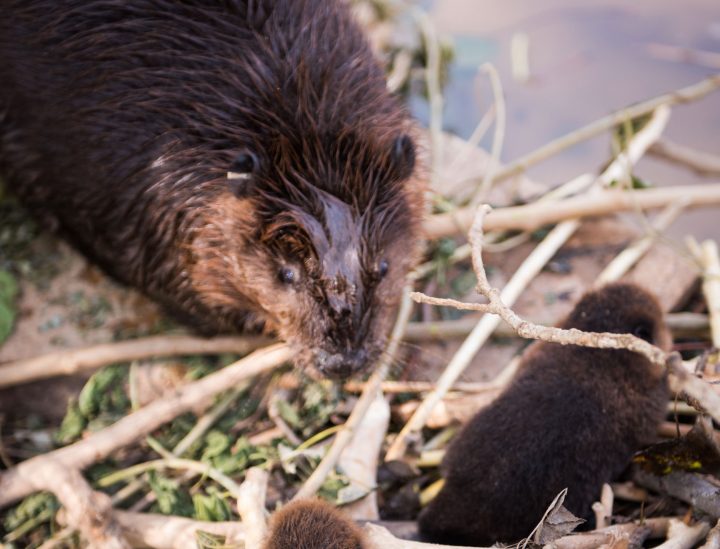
313 525
572 418
119 120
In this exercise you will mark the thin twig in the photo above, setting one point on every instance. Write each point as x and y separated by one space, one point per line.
498 137
73 361
394 387
630 255
14 483
363 404
432 80
680 324
700 162
199 429
274 412
479 335
707 255
683 95
197 467
677 54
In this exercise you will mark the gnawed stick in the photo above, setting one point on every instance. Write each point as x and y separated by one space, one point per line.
381 538
73 361
706 254
15 485
251 506
86 510
682 536
538 214
713 539
658 528
168 532
603 509
701 491
359 461
367 397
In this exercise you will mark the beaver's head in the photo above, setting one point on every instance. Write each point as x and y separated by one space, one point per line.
317 223
315 238
621 308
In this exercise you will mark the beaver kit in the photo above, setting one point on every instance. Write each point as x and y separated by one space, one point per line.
572 418
240 162
313 525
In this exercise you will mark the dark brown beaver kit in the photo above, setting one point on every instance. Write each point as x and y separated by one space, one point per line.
572 418
313 525
241 162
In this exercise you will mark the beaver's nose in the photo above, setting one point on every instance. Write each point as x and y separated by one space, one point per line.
341 365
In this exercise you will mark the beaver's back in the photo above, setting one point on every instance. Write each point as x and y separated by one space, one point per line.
120 119
110 104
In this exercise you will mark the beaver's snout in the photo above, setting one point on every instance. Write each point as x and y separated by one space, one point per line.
341 365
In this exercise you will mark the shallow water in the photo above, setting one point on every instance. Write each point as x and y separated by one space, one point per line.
586 59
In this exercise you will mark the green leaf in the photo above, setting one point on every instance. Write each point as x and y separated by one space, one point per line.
7 320
29 508
104 392
8 287
332 486
211 507
216 443
171 499
207 540
72 425
289 414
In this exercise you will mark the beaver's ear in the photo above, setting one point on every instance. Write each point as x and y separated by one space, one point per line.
241 172
403 156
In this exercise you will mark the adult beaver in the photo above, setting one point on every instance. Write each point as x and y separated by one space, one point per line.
241 162
572 418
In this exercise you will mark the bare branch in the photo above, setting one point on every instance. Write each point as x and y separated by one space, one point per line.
682 536
700 162
683 95
538 214
707 255
713 539
73 361
359 460
168 532
86 510
251 507
14 483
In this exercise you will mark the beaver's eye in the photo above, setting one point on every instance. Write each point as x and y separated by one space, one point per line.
382 268
643 332
287 275
244 165
404 155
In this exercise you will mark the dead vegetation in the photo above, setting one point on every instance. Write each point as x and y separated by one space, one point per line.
191 451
